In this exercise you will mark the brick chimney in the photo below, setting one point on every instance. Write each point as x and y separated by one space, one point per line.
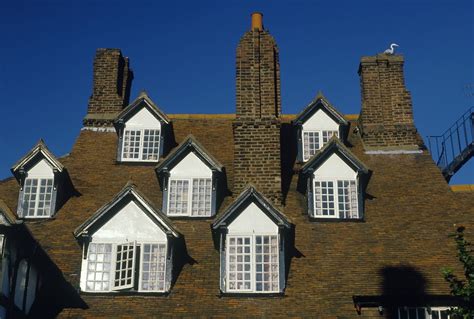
386 118
257 124
111 90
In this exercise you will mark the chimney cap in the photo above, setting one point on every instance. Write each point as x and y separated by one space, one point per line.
257 21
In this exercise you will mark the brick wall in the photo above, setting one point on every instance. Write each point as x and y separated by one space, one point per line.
386 118
111 87
257 124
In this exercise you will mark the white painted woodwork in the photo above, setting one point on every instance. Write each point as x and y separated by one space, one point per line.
130 224
335 167
20 284
189 167
252 221
320 121
41 169
31 289
143 119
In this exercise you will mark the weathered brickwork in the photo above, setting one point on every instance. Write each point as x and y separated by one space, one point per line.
409 209
257 76
386 118
257 157
257 124
111 87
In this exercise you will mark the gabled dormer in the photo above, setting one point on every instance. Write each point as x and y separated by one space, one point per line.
193 181
252 237
144 131
128 245
315 126
334 181
44 183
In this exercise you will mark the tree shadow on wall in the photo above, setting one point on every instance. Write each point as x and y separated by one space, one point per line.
402 286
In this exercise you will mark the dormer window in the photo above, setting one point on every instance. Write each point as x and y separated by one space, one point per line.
314 140
44 183
333 181
192 181
139 257
143 131
251 235
37 195
141 144
316 125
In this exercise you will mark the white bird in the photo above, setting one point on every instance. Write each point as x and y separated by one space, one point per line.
391 51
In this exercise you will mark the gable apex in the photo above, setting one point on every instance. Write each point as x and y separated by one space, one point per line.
320 102
38 152
142 101
107 211
190 144
248 196
334 146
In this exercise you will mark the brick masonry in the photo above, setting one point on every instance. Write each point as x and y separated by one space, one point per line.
386 118
257 124
111 88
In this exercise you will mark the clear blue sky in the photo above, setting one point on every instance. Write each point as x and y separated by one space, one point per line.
183 54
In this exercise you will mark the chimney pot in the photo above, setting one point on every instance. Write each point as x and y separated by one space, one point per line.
257 21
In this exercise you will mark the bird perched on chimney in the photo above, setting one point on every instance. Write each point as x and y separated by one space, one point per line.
391 51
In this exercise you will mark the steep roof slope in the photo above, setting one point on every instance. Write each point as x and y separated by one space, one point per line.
409 212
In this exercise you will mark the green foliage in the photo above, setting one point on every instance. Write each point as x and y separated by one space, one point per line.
462 288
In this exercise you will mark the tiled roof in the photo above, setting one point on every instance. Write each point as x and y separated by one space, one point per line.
409 213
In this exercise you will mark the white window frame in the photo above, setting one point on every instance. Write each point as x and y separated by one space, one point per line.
337 212
320 134
253 263
113 265
39 179
140 279
122 272
141 144
189 210
428 312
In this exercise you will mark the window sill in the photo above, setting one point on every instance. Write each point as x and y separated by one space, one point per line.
137 163
124 293
336 220
184 217
251 294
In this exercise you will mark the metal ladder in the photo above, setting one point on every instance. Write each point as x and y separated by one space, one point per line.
455 146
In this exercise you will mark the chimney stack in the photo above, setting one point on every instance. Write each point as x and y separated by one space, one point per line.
386 118
257 124
111 88
257 21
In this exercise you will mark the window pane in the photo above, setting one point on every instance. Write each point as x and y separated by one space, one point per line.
324 201
131 144
347 199
153 267
267 273
151 145
178 197
37 194
240 266
327 136
310 144
124 264
201 197
98 267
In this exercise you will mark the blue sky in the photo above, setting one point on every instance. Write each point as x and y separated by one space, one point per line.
183 54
